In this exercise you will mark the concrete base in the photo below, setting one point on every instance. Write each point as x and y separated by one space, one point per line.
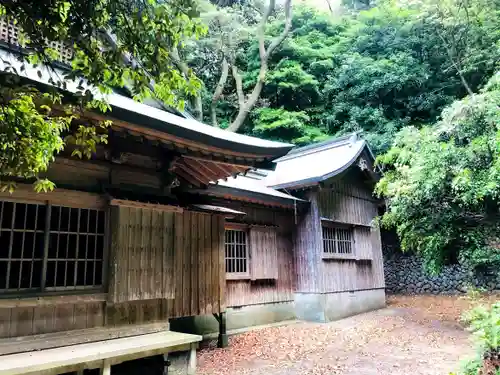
236 318
326 307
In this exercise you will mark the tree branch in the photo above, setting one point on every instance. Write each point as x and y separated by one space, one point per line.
261 31
218 90
288 26
239 84
246 106
455 65
184 68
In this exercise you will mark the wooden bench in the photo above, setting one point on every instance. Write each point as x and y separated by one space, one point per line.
95 354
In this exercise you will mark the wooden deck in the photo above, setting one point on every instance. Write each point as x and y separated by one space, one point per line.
98 354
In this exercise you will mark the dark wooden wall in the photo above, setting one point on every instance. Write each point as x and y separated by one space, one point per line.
308 247
164 263
280 289
347 201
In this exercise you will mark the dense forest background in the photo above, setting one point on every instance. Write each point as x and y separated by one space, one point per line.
372 68
417 78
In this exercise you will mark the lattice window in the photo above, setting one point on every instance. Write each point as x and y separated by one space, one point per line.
48 248
236 252
337 240
9 34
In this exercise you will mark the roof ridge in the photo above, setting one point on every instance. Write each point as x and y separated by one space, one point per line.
321 146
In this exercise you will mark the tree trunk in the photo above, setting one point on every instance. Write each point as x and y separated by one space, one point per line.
245 106
218 91
455 64
196 101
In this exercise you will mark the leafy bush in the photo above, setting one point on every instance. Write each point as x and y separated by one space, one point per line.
484 323
442 184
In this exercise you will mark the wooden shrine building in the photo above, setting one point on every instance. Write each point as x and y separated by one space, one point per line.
91 273
307 246
171 223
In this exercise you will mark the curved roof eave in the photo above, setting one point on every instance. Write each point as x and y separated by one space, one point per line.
129 110
316 180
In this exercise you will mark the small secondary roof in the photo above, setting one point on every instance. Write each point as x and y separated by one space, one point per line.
254 184
250 188
312 164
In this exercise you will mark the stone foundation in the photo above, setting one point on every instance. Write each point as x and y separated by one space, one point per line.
326 307
236 318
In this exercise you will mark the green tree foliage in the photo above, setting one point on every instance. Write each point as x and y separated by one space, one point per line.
115 43
230 32
375 70
484 323
442 183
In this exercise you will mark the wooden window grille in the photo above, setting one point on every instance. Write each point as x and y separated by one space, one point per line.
50 248
236 249
9 34
337 240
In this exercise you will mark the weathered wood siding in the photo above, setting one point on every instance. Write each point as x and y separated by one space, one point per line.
280 289
59 317
348 275
308 247
199 264
142 254
263 253
163 264
349 201
168 255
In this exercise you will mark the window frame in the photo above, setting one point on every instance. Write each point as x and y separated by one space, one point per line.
336 227
245 229
43 289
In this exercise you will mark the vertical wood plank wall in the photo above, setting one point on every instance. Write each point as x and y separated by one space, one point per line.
197 277
142 254
308 248
199 286
264 253
348 201
247 292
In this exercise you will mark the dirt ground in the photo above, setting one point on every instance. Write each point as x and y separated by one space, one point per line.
419 335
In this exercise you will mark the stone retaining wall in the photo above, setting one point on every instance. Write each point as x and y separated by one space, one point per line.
405 274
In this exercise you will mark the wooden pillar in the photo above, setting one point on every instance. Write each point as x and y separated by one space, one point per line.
191 370
222 341
166 364
106 368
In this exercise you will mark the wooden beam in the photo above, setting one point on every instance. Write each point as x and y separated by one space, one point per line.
222 341
190 180
228 163
193 171
202 169
51 300
163 136
191 370
151 206
220 171
187 170
106 368
70 198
